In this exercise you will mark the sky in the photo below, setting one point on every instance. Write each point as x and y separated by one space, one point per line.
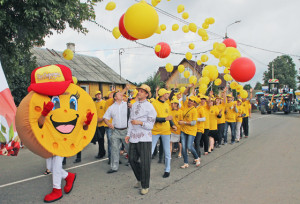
268 24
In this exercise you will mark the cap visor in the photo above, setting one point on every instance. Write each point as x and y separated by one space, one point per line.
50 88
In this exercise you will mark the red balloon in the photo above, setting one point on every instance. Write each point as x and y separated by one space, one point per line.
164 51
229 42
242 69
123 30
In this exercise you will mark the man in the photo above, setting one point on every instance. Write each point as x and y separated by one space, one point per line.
247 107
118 112
162 127
100 132
140 124
230 118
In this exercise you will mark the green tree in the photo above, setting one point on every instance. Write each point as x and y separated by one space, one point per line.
284 71
153 82
247 87
298 81
258 86
25 24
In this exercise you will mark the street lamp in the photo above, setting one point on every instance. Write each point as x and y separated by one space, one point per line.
121 51
230 25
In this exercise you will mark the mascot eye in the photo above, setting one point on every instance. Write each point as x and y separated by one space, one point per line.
73 103
55 100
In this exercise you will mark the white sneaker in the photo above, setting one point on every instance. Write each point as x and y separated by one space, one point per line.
144 191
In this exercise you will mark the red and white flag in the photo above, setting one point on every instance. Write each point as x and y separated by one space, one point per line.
9 141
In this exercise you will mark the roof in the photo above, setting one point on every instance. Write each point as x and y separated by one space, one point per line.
84 68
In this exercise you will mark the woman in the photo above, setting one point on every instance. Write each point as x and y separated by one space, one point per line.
200 125
214 114
189 131
177 116
220 103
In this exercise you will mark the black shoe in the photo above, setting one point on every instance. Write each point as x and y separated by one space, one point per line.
64 162
127 164
99 156
111 171
120 162
108 162
160 161
77 160
217 146
166 175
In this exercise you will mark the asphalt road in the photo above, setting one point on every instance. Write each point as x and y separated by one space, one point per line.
264 168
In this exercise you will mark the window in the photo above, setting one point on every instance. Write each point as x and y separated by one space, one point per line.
112 87
86 88
186 69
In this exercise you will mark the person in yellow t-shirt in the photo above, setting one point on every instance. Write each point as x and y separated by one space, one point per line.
200 124
189 131
205 108
220 103
239 118
214 114
162 126
230 118
247 106
177 116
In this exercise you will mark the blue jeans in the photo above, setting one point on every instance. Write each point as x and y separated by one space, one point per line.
166 145
187 143
232 128
108 134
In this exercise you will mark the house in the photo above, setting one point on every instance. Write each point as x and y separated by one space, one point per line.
175 77
92 74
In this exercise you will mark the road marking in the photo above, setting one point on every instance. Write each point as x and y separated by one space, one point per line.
40 176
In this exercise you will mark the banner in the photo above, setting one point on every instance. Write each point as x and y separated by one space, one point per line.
9 141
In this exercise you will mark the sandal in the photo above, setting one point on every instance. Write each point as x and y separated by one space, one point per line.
47 172
197 162
184 166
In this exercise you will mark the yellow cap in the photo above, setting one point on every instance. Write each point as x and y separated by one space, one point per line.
229 95
98 92
163 91
193 98
239 100
175 100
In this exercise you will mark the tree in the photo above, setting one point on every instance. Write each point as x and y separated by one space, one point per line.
258 86
25 24
153 82
284 71
247 87
298 81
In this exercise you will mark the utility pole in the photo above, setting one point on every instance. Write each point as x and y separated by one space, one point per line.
230 25
273 70
121 51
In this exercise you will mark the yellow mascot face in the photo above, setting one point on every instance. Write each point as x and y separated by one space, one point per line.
62 133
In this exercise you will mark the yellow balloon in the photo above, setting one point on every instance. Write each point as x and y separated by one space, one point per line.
110 6
204 58
68 54
188 56
157 48
199 62
202 32
239 88
175 27
223 61
227 77
213 72
205 72
230 54
205 26
185 15
233 85
221 47
116 32
185 28
204 80
180 8
193 27
244 94
182 89
163 27
193 80
186 74
202 88
210 20
169 67
226 70
155 2
192 46
218 82
141 20
75 80
205 38
181 68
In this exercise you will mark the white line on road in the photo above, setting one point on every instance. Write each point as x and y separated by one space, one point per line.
40 176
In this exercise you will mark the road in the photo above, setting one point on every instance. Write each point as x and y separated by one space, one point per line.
264 168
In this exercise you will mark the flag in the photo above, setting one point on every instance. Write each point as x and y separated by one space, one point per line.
9 141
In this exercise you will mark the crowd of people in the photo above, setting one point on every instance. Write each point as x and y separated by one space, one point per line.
181 122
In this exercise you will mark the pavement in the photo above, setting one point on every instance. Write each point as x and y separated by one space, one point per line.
264 168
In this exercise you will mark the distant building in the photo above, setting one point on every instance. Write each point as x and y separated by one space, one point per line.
92 74
171 78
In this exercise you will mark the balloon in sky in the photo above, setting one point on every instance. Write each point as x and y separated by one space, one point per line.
116 32
110 6
242 69
68 54
164 51
123 30
229 42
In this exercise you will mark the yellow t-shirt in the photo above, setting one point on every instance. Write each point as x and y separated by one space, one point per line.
246 105
177 116
213 113
200 125
100 106
108 103
206 115
163 111
241 111
189 114
184 105
231 114
222 119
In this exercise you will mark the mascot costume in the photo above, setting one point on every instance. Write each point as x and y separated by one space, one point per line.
55 120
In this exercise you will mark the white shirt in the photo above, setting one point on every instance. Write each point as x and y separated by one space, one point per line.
145 112
118 112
